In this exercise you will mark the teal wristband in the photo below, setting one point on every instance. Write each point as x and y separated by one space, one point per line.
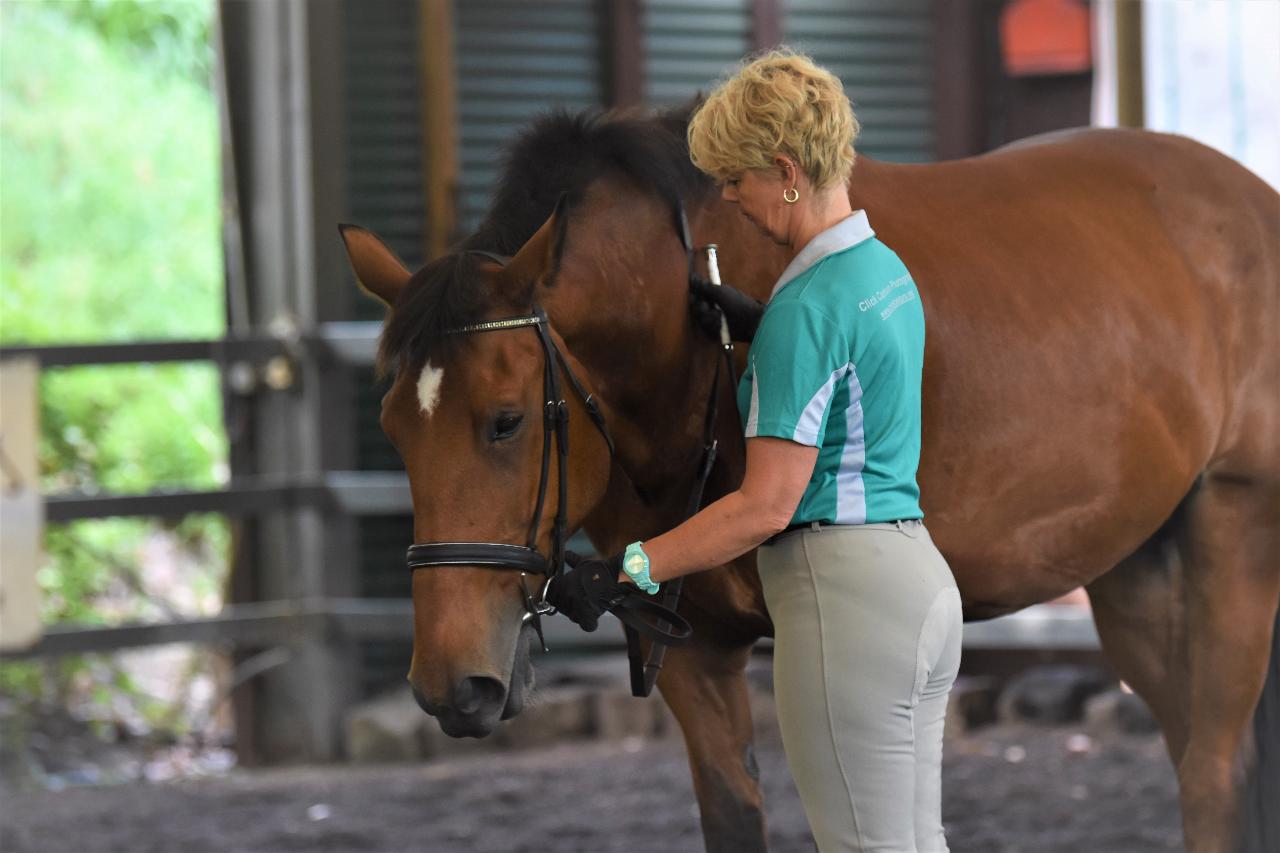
635 563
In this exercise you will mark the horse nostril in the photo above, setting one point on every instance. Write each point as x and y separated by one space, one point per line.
421 700
478 693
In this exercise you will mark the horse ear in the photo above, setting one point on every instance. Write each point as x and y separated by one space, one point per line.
539 258
377 268
560 235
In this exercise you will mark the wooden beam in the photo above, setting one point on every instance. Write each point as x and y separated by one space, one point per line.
766 24
271 623
439 124
623 53
957 86
1130 111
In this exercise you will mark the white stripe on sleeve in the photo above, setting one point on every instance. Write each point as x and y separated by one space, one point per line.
811 418
753 414
851 491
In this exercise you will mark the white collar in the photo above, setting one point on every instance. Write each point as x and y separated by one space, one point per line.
845 234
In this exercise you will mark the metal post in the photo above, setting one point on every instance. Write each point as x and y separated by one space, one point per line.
622 52
296 709
1130 110
959 106
766 24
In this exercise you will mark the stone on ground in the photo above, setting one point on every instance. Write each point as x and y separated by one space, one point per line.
1051 694
1120 711
972 703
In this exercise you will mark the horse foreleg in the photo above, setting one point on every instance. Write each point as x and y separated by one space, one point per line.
706 689
1138 610
1229 543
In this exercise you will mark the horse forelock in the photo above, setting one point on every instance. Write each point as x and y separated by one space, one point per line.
448 294
443 295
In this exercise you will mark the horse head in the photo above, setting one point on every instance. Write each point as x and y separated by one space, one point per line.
466 414
465 411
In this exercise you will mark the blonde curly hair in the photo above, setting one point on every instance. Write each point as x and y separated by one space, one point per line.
779 103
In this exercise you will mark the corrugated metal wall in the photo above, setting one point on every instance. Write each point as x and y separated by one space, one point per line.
516 59
384 170
384 174
882 50
384 128
690 45
384 193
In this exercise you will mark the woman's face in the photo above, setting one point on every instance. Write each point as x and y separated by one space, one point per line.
758 194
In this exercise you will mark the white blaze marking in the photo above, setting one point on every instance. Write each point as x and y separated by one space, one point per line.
429 388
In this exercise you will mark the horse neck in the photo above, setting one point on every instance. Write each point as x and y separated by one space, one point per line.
657 413
658 498
748 260
625 302
622 300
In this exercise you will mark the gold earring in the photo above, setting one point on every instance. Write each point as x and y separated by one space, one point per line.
791 195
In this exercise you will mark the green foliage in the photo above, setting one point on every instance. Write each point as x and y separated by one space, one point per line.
108 190
23 678
110 231
131 428
172 36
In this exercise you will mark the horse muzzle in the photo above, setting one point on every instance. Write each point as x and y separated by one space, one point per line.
473 709
477 702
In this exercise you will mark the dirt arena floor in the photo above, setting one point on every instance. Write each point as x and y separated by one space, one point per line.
1007 788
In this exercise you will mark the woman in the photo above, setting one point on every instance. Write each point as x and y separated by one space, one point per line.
866 612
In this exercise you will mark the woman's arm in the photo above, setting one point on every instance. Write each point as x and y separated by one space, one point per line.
777 473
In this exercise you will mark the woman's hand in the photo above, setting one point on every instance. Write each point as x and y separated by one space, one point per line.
587 589
741 311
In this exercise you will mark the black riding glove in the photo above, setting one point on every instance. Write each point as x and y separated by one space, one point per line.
741 311
587 589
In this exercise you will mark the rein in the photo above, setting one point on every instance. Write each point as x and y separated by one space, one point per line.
645 670
668 628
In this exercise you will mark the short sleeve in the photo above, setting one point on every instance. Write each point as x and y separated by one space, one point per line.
798 357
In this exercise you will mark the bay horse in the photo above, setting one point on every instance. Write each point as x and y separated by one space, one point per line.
1101 407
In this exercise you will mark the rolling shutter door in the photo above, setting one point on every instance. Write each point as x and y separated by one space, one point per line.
384 193
514 60
883 51
690 46
384 129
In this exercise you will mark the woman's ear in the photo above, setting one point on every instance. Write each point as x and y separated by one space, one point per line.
788 172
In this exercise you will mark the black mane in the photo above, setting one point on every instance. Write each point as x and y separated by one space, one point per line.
564 152
560 153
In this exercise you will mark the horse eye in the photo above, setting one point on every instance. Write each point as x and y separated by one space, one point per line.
505 426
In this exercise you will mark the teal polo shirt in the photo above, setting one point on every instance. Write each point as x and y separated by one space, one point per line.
836 364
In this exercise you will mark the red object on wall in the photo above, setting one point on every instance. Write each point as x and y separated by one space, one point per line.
1045 37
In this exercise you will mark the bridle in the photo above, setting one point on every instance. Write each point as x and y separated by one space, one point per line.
526 559
639 613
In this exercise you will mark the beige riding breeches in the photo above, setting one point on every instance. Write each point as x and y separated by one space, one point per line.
867 645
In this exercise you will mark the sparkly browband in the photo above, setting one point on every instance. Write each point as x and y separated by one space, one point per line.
493 325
